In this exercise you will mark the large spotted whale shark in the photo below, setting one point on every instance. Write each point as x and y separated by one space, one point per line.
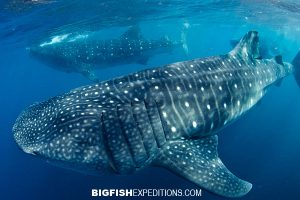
87 51
167 117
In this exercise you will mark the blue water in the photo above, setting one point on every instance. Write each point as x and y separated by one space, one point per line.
262 147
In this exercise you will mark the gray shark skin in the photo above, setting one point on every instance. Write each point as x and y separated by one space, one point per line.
167 117
83 53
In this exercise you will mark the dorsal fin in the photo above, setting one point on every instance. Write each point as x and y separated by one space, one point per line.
278 59
133 33
248 46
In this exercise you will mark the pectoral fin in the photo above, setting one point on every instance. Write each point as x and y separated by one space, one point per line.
87 71
90 75
278 83
198 161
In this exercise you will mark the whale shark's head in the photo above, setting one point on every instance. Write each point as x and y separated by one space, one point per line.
48 55
58 132
52 52
33 126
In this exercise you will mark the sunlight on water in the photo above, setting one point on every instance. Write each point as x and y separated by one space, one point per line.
26 20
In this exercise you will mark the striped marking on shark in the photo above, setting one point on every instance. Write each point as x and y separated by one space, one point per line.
167 117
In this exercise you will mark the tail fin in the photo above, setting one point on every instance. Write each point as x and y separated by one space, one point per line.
185 27
296 64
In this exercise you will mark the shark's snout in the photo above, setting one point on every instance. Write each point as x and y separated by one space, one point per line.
32 126
34 50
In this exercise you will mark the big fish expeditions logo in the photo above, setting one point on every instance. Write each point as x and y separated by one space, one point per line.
146 192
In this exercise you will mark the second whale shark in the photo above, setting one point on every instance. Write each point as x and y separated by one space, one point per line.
167 117
83 53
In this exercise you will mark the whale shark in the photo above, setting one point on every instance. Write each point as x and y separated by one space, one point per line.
85 52
168 116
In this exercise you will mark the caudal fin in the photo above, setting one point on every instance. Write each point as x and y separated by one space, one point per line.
185 27
296 64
